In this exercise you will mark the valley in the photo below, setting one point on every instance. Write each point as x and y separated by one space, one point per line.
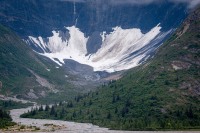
160 95
74 47
100 66
59 126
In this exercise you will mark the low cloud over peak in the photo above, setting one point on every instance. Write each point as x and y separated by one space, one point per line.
73 0
191 3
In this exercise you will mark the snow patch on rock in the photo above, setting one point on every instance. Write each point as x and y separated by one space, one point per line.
116 52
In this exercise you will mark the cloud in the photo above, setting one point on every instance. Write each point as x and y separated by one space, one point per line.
191 3
135 2
73 0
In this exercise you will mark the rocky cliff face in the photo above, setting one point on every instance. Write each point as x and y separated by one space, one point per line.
101 34
39 17
1 85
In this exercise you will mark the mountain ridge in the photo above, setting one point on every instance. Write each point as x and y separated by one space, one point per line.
92 25
25 74
91 16
162 94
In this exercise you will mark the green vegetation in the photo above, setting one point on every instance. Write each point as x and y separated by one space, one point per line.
8 105
18 67
122 116
160 95
5 119
5 106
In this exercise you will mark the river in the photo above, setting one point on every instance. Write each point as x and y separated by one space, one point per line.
69 127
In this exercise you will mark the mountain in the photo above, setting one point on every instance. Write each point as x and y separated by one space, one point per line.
162 94
24 74
100 35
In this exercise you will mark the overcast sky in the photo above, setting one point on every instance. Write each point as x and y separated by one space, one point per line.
191 3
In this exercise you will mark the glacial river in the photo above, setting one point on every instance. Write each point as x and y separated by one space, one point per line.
69 127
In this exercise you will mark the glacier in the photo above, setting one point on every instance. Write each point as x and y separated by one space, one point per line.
121 49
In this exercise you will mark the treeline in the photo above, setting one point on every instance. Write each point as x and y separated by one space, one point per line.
114 108
56 111
5 119
7 105
121 117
